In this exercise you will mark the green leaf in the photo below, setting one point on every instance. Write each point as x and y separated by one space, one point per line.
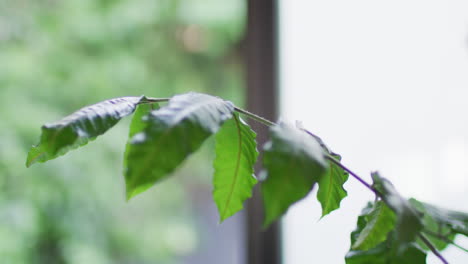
331 191
138 123
171 134
236 154
441 225
385 252
80 127
380 221
293 162
457 221
409 220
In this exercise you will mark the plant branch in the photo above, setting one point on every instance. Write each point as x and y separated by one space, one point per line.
337 163
377 193
334 161
270 123
329 157
154 100
320 141
445 239
432 248
254 116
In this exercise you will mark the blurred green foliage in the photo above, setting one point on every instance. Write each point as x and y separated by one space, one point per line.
58 56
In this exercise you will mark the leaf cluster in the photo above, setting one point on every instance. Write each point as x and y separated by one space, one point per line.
390 230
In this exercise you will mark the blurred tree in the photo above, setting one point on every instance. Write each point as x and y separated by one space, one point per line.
57 56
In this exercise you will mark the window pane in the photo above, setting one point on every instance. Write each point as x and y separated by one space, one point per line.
385 84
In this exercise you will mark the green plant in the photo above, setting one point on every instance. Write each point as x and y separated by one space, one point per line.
391 229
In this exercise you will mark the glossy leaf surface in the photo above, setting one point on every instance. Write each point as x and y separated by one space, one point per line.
457 221
80 127
331 191
138 123
385 252
379 222
236 154
293 162
409 220
172 133
441 225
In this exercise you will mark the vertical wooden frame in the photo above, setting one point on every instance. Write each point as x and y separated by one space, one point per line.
264 246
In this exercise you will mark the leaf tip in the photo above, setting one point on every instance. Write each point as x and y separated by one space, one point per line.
34 156
130 193
133 191
224 213
322 216
267 223
221 219
28 161
128 196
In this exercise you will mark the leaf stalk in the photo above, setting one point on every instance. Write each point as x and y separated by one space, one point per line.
150 100
357 177
254 116
445 239
432 248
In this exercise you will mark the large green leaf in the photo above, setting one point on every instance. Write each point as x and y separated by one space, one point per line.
385 252
236 154
379 222
441 225
293 162
331 191
172 133
409 220
80 127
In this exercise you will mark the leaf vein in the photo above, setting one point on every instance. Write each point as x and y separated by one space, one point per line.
236 171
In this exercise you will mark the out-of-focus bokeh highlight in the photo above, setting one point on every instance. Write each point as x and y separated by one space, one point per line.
59 55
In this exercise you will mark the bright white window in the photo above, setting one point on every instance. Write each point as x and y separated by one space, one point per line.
385 84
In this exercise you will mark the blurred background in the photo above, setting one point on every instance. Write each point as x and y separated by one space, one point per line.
57 56
383 83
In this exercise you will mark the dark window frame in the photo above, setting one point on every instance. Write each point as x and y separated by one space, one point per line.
264 246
